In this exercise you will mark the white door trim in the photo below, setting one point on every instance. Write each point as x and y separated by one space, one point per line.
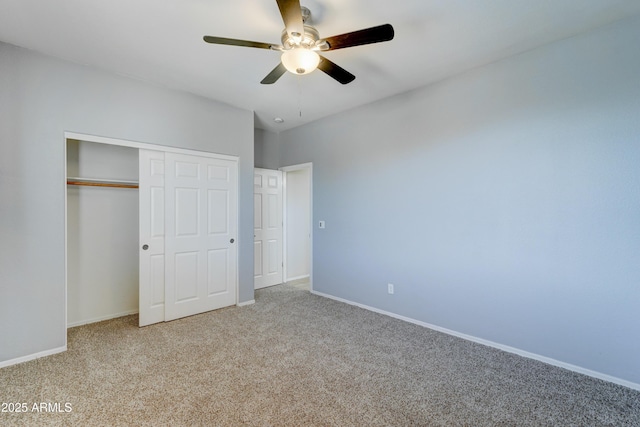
143 145
133 144
292 168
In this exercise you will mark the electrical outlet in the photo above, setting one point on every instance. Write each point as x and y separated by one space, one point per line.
390 289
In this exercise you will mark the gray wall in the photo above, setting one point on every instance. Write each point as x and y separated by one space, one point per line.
40 98
266 149
503 203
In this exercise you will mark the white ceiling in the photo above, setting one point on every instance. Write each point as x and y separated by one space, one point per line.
161 41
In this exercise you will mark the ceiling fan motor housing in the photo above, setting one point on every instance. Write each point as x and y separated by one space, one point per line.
307 40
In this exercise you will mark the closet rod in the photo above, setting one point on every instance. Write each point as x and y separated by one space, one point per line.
101 183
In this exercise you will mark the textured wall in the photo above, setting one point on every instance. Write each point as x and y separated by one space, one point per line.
503 203
266 149
40 99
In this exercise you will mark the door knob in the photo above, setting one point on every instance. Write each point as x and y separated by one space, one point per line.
231 241
145 247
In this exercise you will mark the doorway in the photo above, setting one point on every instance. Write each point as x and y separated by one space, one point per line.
298 223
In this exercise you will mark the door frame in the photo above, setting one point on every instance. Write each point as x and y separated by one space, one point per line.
139 145
293 168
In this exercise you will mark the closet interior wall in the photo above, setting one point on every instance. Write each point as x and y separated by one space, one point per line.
102 234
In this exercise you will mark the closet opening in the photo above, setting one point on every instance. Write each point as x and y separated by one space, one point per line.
102 231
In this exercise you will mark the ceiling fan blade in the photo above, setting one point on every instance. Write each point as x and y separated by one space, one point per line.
236 42
292 17
335 71
381 33
274 75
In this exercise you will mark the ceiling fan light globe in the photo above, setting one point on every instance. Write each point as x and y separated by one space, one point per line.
300 60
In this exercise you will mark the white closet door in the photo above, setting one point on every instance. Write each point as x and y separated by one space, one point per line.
201 229
151 220
267 218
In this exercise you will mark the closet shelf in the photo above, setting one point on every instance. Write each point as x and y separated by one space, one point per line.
94 182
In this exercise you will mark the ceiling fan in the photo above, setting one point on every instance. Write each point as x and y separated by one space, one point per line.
301 44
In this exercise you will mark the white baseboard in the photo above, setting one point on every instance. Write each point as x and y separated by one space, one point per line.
32 356
291 279
242 304
101 318
508 349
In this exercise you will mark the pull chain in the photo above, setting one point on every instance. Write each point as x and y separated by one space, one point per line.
299 96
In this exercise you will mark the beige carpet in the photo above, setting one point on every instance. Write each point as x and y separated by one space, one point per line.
295 359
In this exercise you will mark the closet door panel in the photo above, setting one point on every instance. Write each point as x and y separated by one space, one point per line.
218 270
157 212
157 282
186 276
152 231
218 221
186 212
201 221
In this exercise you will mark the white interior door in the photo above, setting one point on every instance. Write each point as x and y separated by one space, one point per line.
151 245
267 219
201 229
